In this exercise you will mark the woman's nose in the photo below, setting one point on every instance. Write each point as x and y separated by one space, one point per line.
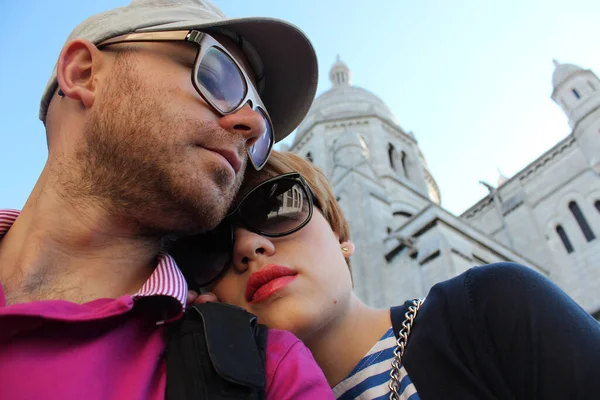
249 247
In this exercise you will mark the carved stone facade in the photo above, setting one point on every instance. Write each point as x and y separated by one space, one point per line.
547 216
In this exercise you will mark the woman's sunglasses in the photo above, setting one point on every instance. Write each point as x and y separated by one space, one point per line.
219 79
277 207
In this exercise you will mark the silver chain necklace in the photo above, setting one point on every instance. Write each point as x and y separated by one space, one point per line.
409 318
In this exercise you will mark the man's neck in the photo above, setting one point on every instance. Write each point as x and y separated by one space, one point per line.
338 347
72 250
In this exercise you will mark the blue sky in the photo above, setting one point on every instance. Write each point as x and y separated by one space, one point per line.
471 79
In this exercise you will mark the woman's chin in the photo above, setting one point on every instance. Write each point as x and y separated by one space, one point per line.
298 322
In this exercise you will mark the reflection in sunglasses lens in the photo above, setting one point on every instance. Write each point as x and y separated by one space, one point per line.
276 208
222 79
261 148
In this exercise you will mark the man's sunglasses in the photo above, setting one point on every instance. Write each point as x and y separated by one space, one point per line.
219 79
276 207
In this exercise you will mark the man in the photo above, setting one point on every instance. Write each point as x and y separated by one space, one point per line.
152 114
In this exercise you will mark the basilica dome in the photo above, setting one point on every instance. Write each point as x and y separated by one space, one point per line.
343 101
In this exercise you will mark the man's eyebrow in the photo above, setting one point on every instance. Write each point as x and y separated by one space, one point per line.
184 50
183 58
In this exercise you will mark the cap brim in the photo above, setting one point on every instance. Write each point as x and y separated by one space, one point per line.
290 65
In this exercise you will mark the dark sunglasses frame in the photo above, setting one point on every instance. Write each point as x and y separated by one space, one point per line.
205 42
226 230
236 214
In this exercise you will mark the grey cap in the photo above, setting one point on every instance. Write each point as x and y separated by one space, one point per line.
277 50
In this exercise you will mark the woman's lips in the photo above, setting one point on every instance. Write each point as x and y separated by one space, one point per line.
264 283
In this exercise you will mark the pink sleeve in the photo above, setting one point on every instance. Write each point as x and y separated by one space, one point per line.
292 372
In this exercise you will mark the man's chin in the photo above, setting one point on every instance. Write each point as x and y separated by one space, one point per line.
199 205
211 210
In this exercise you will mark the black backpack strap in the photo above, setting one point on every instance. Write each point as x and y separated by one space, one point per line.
216 351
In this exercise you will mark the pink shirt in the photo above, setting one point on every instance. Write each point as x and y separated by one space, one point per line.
115 348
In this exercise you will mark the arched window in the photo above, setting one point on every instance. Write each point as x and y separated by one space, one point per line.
597 205
403 213
404 162
565 239
576 93
583 224
392 155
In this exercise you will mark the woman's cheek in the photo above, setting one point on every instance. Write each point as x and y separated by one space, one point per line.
228 290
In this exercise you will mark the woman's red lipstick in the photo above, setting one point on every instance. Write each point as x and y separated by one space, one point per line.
264 283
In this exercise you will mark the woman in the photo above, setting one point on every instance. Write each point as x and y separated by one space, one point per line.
495 332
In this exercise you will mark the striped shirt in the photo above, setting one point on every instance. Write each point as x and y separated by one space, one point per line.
371 376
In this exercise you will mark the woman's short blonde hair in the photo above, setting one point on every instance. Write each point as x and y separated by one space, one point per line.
283 162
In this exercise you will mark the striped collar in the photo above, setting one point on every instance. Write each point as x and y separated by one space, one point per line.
166 280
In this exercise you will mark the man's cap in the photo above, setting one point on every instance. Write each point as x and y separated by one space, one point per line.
280 54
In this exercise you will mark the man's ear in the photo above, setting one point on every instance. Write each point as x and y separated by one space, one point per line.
78 63
347 248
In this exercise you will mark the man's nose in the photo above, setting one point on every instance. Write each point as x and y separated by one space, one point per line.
245 122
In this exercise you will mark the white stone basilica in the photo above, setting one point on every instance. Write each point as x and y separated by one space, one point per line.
547 216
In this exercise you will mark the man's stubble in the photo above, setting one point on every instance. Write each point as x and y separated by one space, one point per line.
132 161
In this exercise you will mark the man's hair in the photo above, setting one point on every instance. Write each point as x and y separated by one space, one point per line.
283 162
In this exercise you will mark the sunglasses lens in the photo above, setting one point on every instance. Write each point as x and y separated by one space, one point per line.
203 258
260 150
224 84
276 208
221 79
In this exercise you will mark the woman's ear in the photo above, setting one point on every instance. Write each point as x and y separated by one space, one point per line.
347 248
